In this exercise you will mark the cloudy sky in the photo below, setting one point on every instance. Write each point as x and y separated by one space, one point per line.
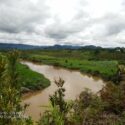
77 22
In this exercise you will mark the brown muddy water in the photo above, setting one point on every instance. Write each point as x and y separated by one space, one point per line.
75 83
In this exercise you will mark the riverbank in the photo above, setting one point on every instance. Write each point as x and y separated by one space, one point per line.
75 83
31 80
107 70
28 80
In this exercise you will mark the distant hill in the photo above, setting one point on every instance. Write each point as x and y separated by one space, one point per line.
54 47
91 47
9 46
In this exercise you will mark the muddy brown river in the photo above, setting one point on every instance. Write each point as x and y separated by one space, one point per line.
75 83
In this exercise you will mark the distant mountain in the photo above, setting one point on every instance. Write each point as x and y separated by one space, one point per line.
56 47
91 47
9 46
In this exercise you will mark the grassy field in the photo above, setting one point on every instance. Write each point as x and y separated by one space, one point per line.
31 79
104 68
81 54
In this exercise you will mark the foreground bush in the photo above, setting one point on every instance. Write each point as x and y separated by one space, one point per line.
11 112
104 108
59 110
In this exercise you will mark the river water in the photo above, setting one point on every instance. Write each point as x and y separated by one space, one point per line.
75 83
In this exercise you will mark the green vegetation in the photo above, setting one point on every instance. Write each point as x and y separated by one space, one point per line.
107 69
28 79
106 107
80 54
31 79
11 112
88 109
58 114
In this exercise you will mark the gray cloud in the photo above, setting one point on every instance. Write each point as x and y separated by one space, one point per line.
62 31
115 23
20 16
59 30
34 22
108 30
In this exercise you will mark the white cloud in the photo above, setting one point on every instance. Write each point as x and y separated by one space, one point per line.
48 22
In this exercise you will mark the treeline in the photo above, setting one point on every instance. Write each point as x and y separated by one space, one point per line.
88 54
